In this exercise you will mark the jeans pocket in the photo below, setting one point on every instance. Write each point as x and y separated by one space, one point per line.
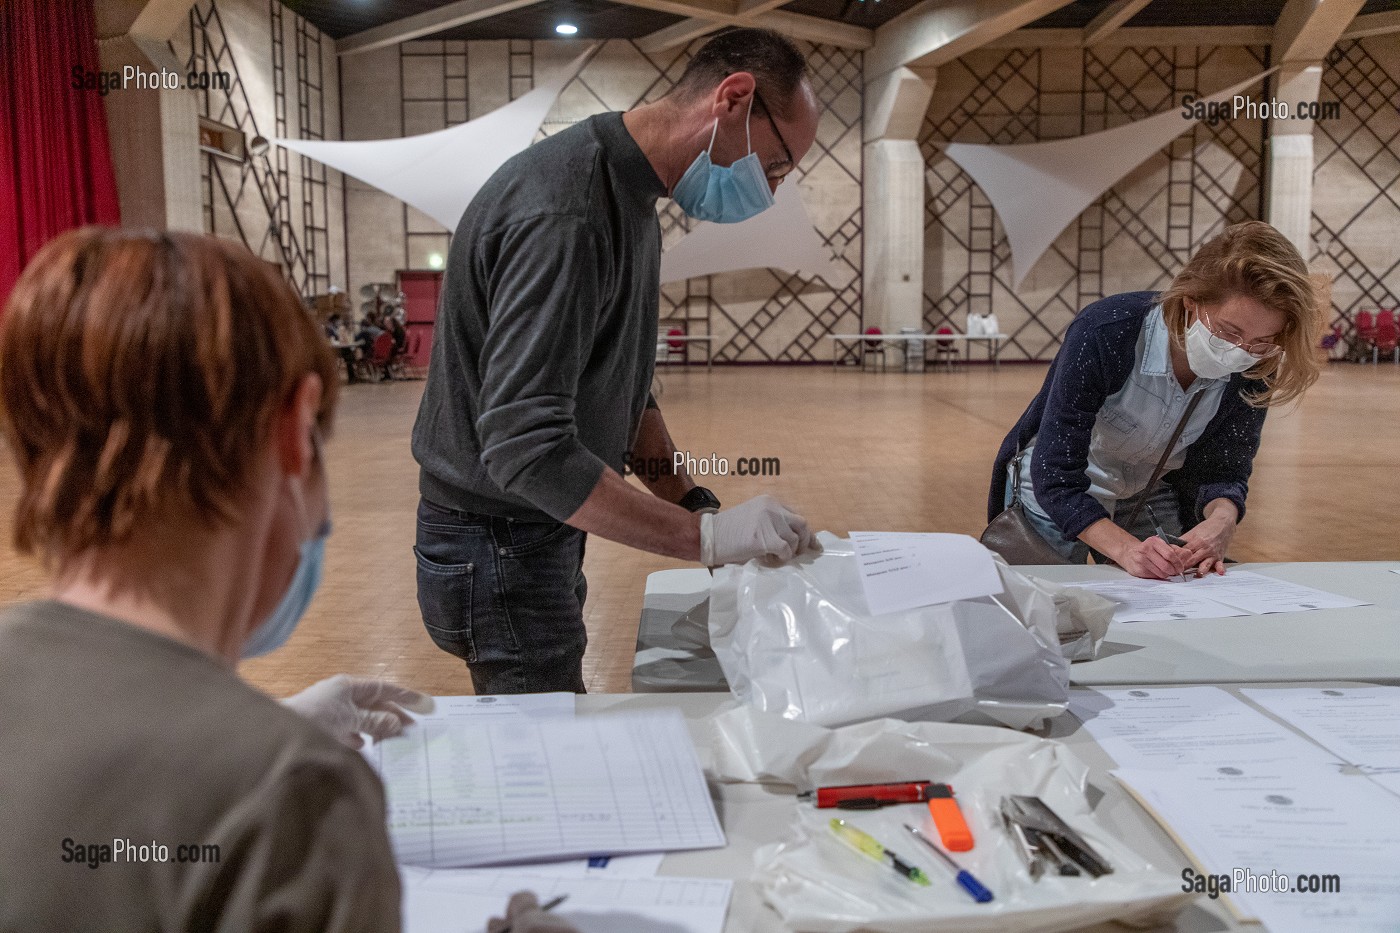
529 537
445 594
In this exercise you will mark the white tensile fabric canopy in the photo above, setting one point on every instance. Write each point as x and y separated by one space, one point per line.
1038 189
782 237
439 173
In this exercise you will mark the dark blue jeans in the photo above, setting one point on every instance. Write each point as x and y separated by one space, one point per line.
505 596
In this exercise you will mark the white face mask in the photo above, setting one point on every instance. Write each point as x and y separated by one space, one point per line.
1213 358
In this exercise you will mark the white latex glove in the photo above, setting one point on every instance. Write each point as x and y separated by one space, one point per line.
756 528
345 706
523 915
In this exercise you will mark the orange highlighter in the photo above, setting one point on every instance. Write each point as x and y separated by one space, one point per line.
948 818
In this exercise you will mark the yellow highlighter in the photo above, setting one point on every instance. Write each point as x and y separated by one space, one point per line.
868 845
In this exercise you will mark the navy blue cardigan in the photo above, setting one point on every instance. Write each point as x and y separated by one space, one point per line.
1094 362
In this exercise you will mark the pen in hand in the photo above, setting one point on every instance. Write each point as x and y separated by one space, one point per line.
1173 540
543 908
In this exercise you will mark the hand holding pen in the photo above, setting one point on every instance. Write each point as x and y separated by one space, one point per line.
525 914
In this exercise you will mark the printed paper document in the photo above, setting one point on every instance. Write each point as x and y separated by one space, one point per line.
1360 724
1238 593
456 901
1260 594
1158 601
904 570
538 705
1304 822
473 791
1163 727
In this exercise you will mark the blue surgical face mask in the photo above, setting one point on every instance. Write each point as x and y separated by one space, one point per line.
274 631
724 195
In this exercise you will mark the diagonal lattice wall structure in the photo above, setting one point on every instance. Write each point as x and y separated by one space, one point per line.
756 316
1135 236
1356 179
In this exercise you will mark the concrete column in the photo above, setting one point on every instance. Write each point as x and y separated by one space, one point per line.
154 134
894 201
1288 204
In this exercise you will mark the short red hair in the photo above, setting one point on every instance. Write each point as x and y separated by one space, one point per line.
139 371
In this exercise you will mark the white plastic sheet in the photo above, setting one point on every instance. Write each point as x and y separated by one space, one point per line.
796 639
816 884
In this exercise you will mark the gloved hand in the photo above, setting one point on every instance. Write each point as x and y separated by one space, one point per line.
756 528
523 915
345 706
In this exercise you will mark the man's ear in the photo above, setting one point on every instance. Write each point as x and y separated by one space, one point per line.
732 94
295 422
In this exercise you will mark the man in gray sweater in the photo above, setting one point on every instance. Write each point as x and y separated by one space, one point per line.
545 345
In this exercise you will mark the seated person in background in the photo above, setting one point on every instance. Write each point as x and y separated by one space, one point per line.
394 328
173 484
336 333
368 332
1237 328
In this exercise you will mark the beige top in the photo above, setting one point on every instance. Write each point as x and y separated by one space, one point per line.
112 736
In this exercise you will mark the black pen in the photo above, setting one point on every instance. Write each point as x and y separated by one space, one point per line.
1170 539
546 906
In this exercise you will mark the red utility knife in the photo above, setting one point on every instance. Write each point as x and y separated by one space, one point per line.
870 796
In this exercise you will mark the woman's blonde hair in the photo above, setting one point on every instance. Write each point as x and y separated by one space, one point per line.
1255 261
139 374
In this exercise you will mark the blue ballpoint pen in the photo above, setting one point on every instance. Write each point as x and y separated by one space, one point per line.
971 885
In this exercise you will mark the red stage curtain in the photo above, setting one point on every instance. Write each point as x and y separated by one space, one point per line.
55 164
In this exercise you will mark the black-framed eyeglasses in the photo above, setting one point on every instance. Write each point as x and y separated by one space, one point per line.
791 162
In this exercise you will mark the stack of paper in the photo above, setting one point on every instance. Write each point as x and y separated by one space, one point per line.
1238 593
1304 848
477 790
1282 826
462 901
1167 727
906 570
1359 724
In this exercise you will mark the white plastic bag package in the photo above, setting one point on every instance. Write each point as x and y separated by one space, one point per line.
796 639
816 883
1082 618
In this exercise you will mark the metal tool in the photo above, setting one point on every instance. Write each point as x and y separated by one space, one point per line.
1045 841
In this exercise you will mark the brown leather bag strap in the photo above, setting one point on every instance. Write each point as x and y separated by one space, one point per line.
1166 455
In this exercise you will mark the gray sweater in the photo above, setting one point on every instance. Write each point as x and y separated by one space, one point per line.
546 332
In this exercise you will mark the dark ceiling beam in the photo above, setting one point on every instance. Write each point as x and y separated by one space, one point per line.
936 31
426 23
1114 15
1373 24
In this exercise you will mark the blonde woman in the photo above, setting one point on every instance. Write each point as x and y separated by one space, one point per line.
1236 329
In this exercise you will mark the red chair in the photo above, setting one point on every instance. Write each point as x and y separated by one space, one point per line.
1365 327
1385 338
675 348
945 349
874 348
378 364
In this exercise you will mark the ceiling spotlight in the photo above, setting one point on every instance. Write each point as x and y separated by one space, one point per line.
435 260
566 29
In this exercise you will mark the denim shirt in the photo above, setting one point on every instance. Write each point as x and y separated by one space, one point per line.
1135 423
